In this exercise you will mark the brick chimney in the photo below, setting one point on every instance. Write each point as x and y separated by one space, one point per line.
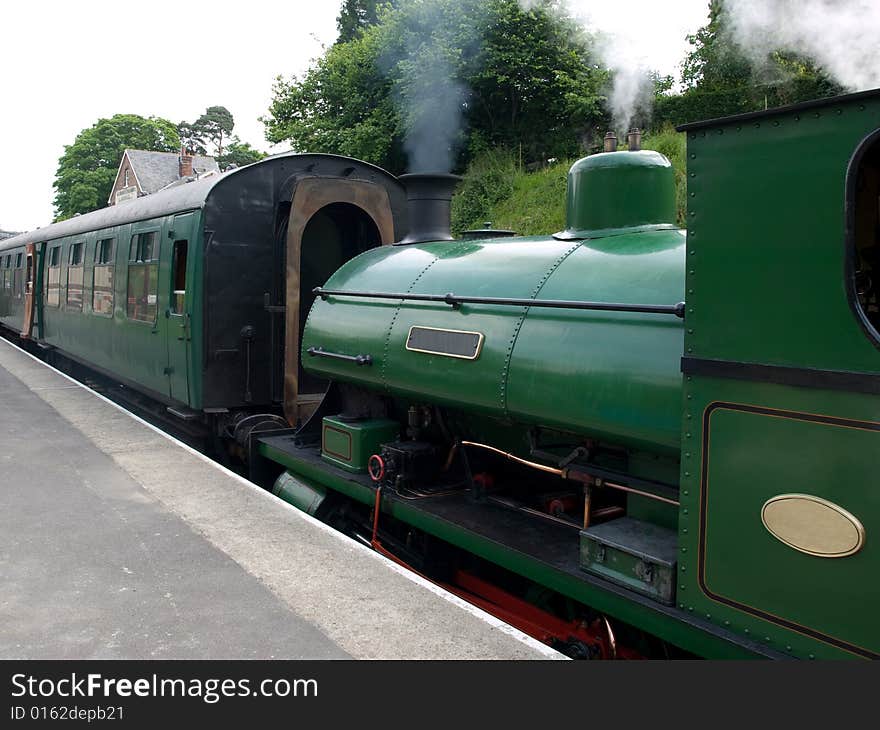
186 163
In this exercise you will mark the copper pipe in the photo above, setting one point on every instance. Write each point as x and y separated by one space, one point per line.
378 505
588 498
564 473
511 457
452 452
612 642
607 512
649 495
537 513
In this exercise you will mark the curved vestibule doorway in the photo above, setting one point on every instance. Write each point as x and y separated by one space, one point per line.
330 223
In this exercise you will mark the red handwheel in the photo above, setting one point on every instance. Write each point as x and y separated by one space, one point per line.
376 468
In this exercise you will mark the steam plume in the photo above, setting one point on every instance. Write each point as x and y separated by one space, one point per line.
842 36
430 99
626 40
432 103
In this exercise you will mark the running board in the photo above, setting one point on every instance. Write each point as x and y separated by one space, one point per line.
184 414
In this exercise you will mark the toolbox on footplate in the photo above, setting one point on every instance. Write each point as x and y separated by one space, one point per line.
350 443
632 553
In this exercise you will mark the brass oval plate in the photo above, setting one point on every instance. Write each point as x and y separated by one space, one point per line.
813 525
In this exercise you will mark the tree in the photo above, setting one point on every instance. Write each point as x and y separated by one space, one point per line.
355 16
214 126
341 105
715 62
192 137
528 82
238 154
535 85
720 78
88 167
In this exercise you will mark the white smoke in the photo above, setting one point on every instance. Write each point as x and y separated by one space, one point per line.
432 102
841 36
430 99
634 40
631 83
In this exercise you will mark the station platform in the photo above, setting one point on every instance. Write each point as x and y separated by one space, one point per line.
119 542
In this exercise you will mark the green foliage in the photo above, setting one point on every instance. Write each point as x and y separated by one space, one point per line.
488 180
495 189
715 62
238 154
88 167
214 125
357 15
341 105
697 104
534 83
720 79
534 206
537 205
192 137
530 78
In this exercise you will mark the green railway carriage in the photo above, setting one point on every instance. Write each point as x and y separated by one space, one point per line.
676 432
180 295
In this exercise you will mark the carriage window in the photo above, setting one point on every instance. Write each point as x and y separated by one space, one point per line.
143 271
75 276
18 261
102 278
53 277
866 228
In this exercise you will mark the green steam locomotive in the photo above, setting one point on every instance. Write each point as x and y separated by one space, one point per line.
678 431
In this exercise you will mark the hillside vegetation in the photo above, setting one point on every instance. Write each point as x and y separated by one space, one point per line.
496 189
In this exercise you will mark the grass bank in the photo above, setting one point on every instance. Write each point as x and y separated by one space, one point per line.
495 189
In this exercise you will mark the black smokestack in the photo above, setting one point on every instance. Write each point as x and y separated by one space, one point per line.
429 206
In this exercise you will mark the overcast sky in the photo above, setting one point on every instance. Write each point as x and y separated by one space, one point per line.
64 65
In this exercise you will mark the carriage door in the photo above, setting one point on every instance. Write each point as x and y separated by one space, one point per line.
30 286
178 313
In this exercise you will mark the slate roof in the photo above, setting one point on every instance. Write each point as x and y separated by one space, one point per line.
155 170
7 234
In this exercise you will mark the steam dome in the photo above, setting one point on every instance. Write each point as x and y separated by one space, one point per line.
618 190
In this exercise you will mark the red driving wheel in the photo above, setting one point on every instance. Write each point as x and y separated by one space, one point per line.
376 468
